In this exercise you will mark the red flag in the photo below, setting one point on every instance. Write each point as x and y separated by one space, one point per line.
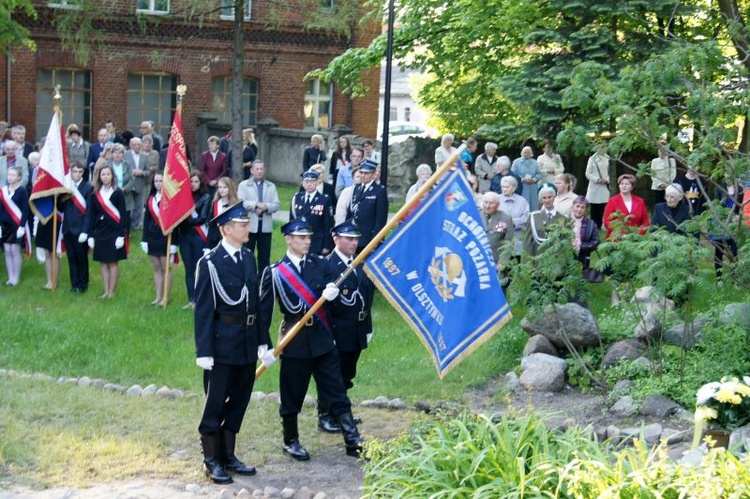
53 177
177 200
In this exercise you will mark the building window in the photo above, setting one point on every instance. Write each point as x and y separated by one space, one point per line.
153 6
75 99
318 100
151 96
393 114
227 9
221 100
407 114
65 4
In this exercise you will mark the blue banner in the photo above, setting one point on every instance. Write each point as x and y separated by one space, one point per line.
438 271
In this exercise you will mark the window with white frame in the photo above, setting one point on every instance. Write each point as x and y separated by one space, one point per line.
318 101
153 6
227 9
75 99
221 100
151 97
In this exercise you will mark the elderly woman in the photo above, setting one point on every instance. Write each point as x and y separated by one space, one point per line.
671 213
423 173
484 166
498 226
540 220
147 148
550 163
445 150
585 232
625 206
502 170
518 209
528 170
565 194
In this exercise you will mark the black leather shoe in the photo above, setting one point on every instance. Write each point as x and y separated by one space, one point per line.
294 449
327 424
231 463
211 452
240 468
357 420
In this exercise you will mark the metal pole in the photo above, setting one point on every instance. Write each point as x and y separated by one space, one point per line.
387 98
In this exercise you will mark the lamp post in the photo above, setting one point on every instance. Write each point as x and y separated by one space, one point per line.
387 98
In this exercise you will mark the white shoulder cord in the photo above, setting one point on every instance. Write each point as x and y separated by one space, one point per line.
279 288
351 300
538 239
218 288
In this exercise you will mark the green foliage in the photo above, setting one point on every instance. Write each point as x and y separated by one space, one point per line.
13 33
578 376
340 20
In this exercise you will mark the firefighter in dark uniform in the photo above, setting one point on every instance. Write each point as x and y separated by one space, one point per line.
317 209
369 205
229 336
296 282
349 312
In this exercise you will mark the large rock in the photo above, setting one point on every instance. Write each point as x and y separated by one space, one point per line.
624 407
539 344
542 359
658 406
648 297
686 337
649 324
736 313
570 320
543 378
623 349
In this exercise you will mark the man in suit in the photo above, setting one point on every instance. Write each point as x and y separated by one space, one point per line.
23 148
230 336
73 229
12 158
142 180
296 282
369 205
260 199
317 209
147 128
349 312
94 152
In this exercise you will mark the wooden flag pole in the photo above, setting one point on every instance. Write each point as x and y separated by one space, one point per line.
389 226
54 245
165 294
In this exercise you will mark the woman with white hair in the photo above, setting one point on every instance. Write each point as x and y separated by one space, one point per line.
445 150
423 173
672 212
541 220
484 166
527 168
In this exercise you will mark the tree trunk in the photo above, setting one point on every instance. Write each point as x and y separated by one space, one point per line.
738 34
238 66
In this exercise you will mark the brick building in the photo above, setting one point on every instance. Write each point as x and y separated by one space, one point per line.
151 46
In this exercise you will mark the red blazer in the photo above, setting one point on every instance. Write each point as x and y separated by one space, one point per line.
214 170
615 208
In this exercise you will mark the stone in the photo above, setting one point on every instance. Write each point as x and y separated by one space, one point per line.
304 493
71 381
243 493
736 313
651 433
176 393
164 392
543 378
624 407
422 406
61 380
271 491
623 386
397 404
382 401
643 363
672 436
569 320
273 397
623 349
225 494
368 403
650 298
693 458
98 383
192 488
320 495
686 337
309 401
658 405
258 396
543 359
258 493
511 381
614 434
84 381
539 344
149 390
134 390
739 441
649 326
287 493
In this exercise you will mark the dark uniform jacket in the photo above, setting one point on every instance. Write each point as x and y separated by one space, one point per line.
319 214
369 209
228 333
75 221
314 339
350 312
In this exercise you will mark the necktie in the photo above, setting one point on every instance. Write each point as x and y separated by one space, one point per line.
308 199
260 191
237 257
301 265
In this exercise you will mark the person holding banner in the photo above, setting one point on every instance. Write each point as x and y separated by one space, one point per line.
230 336
194 234
74 227
154 242
14 216
107 227
296 282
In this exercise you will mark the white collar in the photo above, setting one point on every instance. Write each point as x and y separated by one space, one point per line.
229 248
343 257
294 258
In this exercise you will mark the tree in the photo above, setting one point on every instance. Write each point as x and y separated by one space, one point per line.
12 32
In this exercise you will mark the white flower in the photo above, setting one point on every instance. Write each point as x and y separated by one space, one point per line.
746 379
707 391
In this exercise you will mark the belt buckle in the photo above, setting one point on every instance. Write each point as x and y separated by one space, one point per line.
250 320
362 315
310 321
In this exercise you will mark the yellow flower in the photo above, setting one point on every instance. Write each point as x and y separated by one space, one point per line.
743 390
727 394
705 413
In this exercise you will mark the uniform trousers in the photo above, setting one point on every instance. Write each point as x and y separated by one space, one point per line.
348 361
228 389
78 262
295 379
263 256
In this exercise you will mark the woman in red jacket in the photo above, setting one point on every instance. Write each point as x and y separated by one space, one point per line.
625 206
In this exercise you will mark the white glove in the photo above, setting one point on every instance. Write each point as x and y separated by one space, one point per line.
268 358
144 247
331 292
206 251
83 237
205 363
369 338
262 349
119 242
172 249
1 232
20 232
91 242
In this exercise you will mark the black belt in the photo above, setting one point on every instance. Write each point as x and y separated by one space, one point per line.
297 318
247 320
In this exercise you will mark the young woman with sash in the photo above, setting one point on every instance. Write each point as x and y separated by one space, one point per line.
14 215
154 242
194 234
226 196
107 223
